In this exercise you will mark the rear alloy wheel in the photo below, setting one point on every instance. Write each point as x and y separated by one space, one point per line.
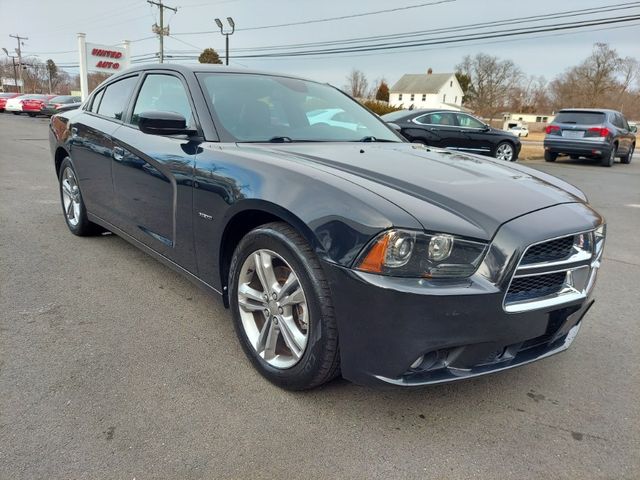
611 158
505 152
282 308
75 213
550 156
627 158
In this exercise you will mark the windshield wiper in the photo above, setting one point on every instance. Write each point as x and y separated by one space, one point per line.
370 138
280 140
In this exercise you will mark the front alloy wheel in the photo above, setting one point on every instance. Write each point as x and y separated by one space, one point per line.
273 308
282 308
505 152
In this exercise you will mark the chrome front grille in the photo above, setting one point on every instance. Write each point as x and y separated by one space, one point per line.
553 250
555 271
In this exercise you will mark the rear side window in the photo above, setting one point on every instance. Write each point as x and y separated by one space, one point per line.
445 119
96 101
116 97
580 118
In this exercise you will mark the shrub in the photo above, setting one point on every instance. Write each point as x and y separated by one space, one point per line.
380 107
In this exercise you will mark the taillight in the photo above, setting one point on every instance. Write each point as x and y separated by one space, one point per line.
552 129
598 132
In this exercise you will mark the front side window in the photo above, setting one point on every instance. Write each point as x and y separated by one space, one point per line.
162 93
262 108
116 98
468 121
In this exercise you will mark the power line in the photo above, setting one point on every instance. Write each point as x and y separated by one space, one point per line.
447 40
329 19
458 28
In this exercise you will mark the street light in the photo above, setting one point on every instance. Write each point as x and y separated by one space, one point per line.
232 24
15 73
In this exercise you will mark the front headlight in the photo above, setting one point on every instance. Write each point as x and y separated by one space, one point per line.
406 253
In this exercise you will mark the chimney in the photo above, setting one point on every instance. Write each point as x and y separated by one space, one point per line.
430 71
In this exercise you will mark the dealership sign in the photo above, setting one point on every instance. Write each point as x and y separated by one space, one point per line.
102 58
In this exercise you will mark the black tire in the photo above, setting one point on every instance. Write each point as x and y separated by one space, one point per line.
16 113
320 361
31 114
574 157
627 158
608 160
83 227
550 156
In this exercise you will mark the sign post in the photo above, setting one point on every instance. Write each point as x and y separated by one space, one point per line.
100 58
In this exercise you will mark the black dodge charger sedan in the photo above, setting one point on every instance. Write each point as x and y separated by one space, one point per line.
339 248
455 130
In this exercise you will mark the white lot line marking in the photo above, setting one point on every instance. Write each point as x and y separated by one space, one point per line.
633 205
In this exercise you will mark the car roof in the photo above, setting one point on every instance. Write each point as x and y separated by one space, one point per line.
588 110
205 68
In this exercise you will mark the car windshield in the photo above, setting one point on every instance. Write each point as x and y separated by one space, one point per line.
263 108
580 118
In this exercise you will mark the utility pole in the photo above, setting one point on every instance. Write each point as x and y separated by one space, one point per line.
15 72
19 52
161 30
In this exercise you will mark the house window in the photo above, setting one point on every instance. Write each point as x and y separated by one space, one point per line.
399 96
545 119
412 97
538 119
456 99
424 97
451 83
444 98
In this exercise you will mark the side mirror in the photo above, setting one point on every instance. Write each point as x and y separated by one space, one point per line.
633 129
395 126
163 123
486 128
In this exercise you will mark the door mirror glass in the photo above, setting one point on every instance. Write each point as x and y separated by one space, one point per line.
163 123
395 126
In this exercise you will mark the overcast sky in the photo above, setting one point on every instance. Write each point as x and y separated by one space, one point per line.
52 26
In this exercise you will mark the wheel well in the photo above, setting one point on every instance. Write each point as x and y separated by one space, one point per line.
236 229
61 154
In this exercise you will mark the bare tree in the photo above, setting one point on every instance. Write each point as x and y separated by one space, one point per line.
357 84
492 81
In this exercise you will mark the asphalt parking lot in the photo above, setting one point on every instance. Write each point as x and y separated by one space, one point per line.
113 366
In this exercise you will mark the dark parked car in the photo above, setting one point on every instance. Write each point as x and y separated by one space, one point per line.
338 250
590 133
61 103
455 130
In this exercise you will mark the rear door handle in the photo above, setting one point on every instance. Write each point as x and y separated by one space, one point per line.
118 154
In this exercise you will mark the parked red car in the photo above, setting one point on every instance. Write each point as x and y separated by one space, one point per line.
33 106
6 96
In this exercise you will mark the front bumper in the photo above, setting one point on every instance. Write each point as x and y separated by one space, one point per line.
584 147
460 328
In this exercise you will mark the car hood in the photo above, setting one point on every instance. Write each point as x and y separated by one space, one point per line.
443 190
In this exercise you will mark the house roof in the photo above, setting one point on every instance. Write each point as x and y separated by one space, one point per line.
421 83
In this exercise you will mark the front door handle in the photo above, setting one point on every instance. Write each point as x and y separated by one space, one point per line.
118 154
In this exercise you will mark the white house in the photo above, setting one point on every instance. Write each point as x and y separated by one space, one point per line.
430 90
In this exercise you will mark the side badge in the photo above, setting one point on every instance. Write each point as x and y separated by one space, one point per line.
205 216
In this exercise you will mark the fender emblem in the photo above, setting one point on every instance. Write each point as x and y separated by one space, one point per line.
205 216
